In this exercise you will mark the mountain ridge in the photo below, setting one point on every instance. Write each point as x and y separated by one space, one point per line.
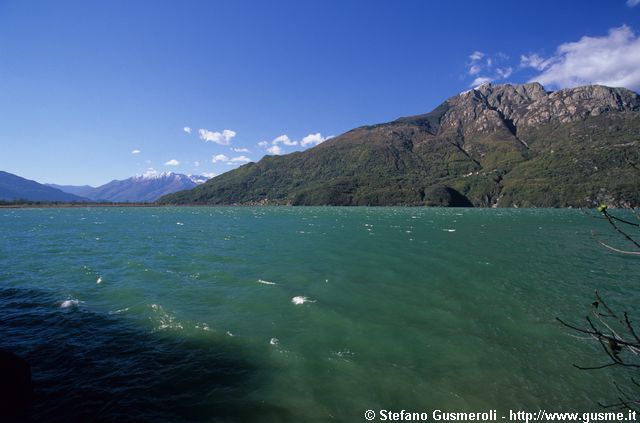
146 187
17 188
495 145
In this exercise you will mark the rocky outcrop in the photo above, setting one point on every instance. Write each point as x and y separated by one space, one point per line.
488 107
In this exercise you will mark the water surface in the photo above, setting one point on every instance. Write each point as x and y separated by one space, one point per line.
189 313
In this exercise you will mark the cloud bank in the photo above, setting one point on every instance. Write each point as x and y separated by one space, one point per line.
612 60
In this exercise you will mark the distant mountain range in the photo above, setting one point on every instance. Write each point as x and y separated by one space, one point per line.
492 146
13 188
141 188
147 187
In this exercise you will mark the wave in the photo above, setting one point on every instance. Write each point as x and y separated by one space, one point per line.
69 303
298 300
163 319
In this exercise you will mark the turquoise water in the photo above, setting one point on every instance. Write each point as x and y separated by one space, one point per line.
190 314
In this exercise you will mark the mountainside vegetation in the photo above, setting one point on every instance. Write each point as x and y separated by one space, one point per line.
493 146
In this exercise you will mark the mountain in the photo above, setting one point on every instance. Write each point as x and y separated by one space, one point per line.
80 190
147 187
492 146
13 187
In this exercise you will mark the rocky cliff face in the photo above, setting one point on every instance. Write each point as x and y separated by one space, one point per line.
503 145
490 108
531 105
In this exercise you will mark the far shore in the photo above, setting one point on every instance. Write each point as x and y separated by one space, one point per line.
73 205
257 204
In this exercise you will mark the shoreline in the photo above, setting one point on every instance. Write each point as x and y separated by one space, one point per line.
74 205
147 205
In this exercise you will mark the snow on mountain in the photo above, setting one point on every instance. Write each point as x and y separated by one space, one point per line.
145 187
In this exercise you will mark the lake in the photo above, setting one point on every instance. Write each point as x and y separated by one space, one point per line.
291 314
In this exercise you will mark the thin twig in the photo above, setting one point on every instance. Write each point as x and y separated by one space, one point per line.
620 231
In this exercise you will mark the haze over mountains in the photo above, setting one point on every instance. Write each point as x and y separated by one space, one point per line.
141 188
492 146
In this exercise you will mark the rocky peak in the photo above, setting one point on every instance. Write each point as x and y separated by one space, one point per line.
575 104
489 107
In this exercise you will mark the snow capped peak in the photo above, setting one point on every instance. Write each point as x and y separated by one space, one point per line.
154 174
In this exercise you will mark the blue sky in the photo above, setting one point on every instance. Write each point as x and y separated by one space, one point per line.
85 84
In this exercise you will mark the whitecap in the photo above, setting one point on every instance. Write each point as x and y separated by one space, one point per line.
99 281
203 326
179 223
449 230
229 333
69 303
345 354
122 310
298 300
266 282
163 319
274 341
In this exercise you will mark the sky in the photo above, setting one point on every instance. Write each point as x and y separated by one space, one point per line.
92 91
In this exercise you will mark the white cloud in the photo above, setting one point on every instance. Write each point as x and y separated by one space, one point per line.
476 55
172 162
222 138
263 143
504 72
633 3
612 60
196 163
240 159
208 175
240 150
136 152
187 129
219 158
534 61
276 149
284 139
314 139
481 64
480 80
